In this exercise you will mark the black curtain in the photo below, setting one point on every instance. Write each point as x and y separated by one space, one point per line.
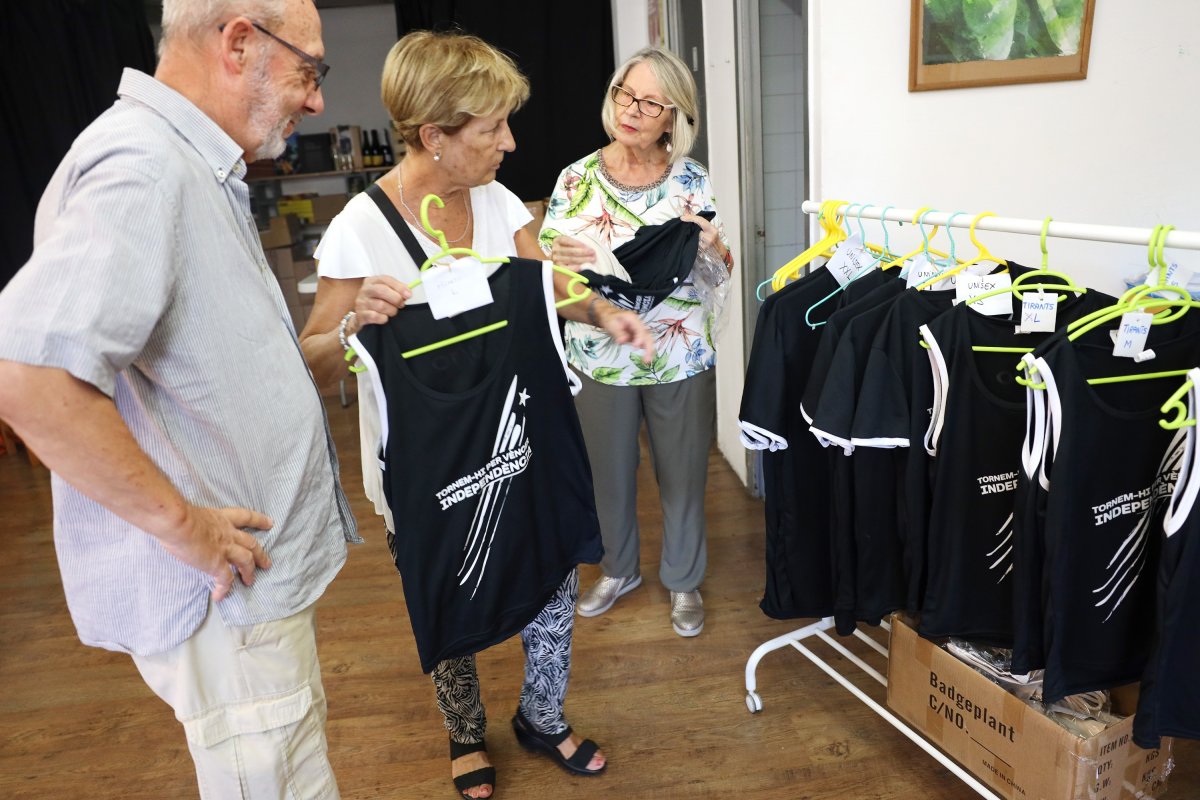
568 58
65 59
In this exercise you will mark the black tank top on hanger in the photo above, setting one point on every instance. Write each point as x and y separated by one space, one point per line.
1111 470
484 465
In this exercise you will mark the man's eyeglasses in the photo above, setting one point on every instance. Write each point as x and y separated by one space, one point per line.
651 108
319 67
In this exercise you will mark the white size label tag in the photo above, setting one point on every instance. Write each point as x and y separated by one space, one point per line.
920 270
996 306
457 287
1131 336
1177 276
1039 313
850 261
981 268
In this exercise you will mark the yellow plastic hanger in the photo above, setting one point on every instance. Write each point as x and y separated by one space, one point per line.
984 255
833 234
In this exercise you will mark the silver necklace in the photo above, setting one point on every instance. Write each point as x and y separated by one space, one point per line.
466 202
625 187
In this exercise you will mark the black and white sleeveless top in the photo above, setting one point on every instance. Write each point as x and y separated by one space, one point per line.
484 464
1109 470
1169 704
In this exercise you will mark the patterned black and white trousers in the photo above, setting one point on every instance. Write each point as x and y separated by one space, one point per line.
547 643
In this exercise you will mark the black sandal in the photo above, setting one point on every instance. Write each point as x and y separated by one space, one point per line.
547 744
476 777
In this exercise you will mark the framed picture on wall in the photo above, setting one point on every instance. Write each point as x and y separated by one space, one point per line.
962 43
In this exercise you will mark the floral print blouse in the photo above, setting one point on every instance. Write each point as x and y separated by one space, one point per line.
585 200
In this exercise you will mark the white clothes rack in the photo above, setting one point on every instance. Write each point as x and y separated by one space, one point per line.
1187 240
1114 234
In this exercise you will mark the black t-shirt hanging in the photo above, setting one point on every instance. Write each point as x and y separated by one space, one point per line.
977 431
795 472
894 411
484 464
862 507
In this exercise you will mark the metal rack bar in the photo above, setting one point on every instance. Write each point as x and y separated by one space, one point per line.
1186 240
818 629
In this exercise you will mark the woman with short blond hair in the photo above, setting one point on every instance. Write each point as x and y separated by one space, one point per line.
449 96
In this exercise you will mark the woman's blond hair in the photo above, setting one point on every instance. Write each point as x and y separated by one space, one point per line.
445 79
678 88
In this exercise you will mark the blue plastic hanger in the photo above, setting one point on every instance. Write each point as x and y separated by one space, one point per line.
853 278
951 261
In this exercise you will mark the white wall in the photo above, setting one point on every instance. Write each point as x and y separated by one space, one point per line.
720 76
357 40
631 28
721 85
1117 148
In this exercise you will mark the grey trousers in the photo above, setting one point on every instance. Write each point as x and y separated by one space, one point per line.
679 422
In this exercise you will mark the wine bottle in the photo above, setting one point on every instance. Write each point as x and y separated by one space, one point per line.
389 157
367 158
376 150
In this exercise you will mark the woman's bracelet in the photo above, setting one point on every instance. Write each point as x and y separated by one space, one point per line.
342 329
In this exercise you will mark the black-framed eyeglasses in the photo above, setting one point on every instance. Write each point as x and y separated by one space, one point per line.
651 108
320 68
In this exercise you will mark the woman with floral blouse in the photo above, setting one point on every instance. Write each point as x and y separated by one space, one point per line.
644 177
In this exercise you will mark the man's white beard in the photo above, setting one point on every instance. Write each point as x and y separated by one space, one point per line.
263 101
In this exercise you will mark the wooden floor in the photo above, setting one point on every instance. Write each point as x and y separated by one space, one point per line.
77 722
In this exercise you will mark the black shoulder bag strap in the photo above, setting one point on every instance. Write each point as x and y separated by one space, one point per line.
375 191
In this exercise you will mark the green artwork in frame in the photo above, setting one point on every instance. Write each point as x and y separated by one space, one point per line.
959 43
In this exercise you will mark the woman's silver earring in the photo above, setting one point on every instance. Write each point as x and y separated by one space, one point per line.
437 156
668 147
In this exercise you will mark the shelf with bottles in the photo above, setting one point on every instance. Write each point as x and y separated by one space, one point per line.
367 173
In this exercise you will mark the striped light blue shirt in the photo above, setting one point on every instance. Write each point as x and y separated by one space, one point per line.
148 281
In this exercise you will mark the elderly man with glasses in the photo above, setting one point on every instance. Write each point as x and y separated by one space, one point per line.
146 354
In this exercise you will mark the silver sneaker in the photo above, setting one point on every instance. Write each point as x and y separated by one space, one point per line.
604 592
687 613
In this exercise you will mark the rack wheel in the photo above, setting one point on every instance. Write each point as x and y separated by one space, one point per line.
753 702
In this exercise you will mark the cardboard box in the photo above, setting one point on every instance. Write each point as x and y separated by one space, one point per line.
283 231
315 210
281 262
1011 747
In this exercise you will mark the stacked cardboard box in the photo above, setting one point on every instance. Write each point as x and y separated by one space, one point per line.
1011 746
314 209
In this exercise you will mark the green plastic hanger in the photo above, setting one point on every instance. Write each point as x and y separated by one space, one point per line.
446 249
1135 299
1165 311
573 294
1175 405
